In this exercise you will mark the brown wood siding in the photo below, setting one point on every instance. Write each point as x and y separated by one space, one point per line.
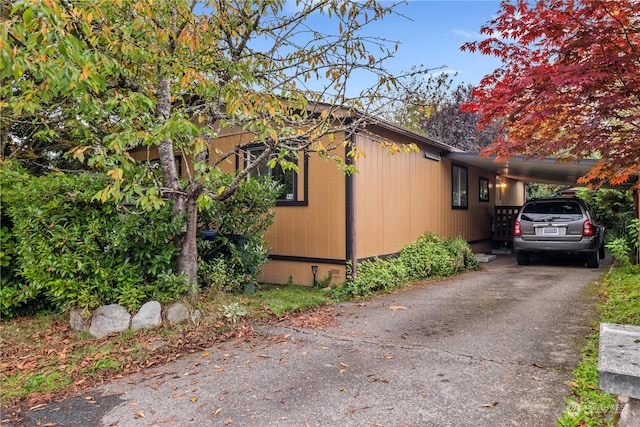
279 272
318 229
401 196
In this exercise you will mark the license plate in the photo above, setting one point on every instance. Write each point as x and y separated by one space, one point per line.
550 230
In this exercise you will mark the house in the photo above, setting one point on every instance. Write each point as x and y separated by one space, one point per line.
327 220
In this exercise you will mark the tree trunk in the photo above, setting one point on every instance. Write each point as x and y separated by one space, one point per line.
188 257
183 205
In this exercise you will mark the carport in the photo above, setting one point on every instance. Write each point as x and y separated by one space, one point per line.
545 171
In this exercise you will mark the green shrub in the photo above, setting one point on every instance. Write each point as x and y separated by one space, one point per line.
72 251
428 257
239 222
626 246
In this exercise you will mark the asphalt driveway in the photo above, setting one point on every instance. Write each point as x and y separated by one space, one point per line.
488 348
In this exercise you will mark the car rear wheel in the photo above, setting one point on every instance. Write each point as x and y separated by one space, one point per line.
523 258
592 260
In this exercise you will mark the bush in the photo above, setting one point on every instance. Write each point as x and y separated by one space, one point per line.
428 257
239 223
71 251
625 247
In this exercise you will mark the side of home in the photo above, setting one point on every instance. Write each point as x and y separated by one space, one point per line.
389 203
328 220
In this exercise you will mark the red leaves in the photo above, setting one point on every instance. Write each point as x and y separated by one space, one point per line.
569 83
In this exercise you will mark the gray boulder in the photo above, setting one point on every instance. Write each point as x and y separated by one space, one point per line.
149 316
78 321
178 313
109 319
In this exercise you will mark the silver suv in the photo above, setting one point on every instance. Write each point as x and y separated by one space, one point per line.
559 225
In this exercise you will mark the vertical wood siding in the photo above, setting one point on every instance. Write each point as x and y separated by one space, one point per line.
403 195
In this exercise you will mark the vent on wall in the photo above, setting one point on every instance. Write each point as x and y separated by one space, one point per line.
432 155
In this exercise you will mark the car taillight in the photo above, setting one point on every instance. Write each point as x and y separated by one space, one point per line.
517 229
588 229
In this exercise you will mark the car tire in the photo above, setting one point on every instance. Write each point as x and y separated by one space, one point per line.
592 260
601 253
523 258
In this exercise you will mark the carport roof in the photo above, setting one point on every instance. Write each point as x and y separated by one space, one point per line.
546 171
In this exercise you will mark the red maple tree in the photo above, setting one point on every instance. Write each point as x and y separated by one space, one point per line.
569 84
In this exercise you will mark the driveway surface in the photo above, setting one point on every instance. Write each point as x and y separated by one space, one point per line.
488 348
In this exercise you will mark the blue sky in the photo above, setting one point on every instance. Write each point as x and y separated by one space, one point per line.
435 33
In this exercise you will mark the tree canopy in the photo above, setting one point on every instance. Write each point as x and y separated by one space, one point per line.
105 77
569 84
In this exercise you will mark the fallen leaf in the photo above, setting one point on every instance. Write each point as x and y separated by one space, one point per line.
39 407
573 384
205 354
397 307
228 421
388 356
537 378
194 398
489 405
589 386
138 414
217 412
342 371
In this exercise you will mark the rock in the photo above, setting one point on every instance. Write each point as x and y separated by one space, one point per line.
196 316
78 321
178 313
109 319
149 316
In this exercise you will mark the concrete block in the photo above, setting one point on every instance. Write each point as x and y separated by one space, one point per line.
619 359
505 251
485 257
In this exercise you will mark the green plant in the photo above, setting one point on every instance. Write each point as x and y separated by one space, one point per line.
626 246
233 312
588 406
325 282
217 277
69 250
427 257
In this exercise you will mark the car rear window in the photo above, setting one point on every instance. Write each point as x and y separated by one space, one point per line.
545 211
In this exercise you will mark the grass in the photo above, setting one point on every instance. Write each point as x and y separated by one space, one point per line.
588 406
42 358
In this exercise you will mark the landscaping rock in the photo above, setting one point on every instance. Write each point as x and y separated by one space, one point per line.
78 321
178 313
109 319
149 316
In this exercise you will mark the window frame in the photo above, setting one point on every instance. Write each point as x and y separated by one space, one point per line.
484 194
244 153
459 187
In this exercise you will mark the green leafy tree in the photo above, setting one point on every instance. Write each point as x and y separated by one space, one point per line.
433 108
112 76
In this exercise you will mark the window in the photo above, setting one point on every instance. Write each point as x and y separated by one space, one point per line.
288 178
484 190
459 185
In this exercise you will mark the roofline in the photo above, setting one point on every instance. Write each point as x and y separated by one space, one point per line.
407 133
